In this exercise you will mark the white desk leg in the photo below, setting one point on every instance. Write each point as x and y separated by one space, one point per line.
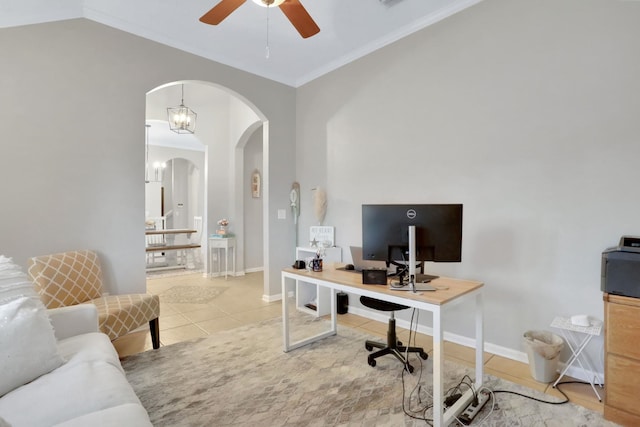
285 317
445 419
479 341
334 310
438 367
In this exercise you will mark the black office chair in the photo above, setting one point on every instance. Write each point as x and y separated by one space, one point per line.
392 346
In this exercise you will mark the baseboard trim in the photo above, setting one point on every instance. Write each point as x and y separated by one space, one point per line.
271 298
491 348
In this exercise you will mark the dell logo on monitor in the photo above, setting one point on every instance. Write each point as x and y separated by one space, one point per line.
411 213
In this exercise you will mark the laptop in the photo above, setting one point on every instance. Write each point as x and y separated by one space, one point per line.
360 264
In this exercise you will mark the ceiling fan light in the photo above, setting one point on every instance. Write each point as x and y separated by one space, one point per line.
269 3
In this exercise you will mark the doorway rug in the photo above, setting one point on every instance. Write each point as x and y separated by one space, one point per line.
191 294
241 377
162 274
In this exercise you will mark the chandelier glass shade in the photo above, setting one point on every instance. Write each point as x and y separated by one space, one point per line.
182 119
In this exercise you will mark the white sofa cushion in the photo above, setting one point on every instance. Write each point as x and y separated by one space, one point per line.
28 346
65 394
14 282
93 347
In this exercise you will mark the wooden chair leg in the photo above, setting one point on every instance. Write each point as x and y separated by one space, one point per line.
154 326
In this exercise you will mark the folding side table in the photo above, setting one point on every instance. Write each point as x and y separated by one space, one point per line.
577 337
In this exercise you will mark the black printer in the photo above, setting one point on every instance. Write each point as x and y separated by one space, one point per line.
620 274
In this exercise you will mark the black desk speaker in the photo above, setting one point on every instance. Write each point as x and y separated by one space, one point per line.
374 276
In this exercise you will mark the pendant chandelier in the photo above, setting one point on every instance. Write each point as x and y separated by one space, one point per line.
182 119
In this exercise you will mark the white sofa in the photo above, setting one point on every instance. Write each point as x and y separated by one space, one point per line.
89 388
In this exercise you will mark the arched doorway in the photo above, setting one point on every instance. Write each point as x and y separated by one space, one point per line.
174 198
226 123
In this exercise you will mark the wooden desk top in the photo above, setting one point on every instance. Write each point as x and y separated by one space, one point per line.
455 288
170 231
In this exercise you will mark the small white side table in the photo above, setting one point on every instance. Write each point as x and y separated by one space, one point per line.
577 338
225 243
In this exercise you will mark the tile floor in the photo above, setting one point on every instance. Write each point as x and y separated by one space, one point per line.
241 303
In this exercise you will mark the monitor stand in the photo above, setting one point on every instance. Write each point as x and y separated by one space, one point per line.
421 283
415 278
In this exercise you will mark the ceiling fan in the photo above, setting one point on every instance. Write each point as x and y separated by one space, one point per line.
292 9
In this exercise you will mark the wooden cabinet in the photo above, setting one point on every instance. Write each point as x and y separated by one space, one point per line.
622 359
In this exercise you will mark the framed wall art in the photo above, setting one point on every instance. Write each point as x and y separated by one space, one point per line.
255 184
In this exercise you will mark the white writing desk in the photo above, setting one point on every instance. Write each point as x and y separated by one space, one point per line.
436 302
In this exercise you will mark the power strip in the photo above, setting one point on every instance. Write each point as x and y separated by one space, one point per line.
472 410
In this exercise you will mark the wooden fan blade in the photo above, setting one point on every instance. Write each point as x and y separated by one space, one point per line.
300 18
221 11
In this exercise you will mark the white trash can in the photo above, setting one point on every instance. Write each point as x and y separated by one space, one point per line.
543 351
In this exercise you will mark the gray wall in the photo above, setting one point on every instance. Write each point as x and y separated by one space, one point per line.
253 229
524 111
73 109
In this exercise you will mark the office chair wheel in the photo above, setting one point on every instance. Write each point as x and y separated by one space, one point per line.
409 368
368 347
424 355
372 361
399 343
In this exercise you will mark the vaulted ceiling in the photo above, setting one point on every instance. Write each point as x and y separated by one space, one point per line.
349 29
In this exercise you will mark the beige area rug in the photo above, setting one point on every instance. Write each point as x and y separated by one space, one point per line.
241 377
191 294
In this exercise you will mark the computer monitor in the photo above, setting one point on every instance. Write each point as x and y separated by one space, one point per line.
437 227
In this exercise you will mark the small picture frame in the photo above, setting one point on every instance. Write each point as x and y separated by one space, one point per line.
322 234
255 184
